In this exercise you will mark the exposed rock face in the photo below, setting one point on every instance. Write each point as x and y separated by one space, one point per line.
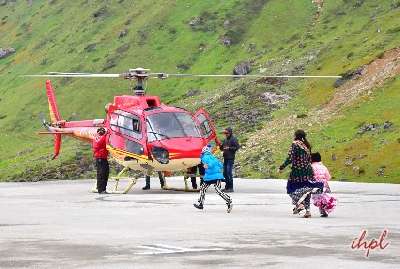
352 74
371 127
242 68
6 52
274 98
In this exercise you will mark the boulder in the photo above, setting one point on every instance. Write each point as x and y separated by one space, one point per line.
387 125
367 128
195 21
371 127
192 92
226 41
242 68
348 161
123 33
227 23
380 172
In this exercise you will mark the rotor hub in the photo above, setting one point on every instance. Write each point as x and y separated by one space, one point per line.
140 75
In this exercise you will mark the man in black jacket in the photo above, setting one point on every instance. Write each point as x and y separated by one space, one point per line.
229 147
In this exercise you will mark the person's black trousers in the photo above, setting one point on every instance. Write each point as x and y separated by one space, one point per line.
103 170
160 176
193 172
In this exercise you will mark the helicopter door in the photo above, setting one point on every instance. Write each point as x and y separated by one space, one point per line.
127 132
205 124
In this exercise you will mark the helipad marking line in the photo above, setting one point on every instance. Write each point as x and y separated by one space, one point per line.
166 249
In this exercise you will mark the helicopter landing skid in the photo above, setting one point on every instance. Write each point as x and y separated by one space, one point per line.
186 189
179 189
132 182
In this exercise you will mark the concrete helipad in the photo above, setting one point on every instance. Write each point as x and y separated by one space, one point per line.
61 225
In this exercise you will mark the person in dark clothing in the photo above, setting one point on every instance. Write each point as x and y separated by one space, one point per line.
160 176
192 172
100 153
229 147
301 183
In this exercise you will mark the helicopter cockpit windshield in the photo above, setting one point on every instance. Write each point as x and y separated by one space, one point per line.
166 125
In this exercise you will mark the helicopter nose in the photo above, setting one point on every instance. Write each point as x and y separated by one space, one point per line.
188 147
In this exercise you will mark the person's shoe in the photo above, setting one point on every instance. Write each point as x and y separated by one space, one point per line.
297 209
230 206
194 187
307 214
147 187
198 206
103 192
229 190
324 215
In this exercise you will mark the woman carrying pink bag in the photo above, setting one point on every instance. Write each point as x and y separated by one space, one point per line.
325 202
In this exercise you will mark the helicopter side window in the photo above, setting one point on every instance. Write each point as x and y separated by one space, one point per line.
114 122
205 127
126 124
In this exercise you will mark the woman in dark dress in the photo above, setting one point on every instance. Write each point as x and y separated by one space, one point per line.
301 182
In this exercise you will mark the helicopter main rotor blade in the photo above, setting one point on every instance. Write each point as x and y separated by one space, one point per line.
77 75
66 73
165 75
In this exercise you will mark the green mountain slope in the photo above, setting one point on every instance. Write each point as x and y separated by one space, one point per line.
288 37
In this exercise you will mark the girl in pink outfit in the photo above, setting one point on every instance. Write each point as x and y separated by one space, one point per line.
325 202
321 173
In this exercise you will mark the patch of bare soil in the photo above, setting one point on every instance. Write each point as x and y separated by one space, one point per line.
369 78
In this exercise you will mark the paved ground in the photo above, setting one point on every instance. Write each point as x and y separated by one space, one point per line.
61 225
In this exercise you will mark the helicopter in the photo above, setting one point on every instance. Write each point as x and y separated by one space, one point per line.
143 134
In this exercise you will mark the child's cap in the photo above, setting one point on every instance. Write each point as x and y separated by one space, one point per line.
206 149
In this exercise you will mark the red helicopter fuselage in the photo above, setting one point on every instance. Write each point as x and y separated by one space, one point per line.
142 133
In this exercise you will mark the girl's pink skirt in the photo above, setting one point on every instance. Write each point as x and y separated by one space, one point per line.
324 201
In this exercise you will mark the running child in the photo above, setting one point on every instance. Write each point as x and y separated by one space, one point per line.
213 175
324 202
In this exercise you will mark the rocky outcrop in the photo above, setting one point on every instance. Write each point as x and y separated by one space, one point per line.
242 68
274 98
6 52
371 127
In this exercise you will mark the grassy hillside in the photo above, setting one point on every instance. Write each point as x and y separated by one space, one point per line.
288 37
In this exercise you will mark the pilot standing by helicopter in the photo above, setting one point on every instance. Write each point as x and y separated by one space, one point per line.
100 153
229 147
